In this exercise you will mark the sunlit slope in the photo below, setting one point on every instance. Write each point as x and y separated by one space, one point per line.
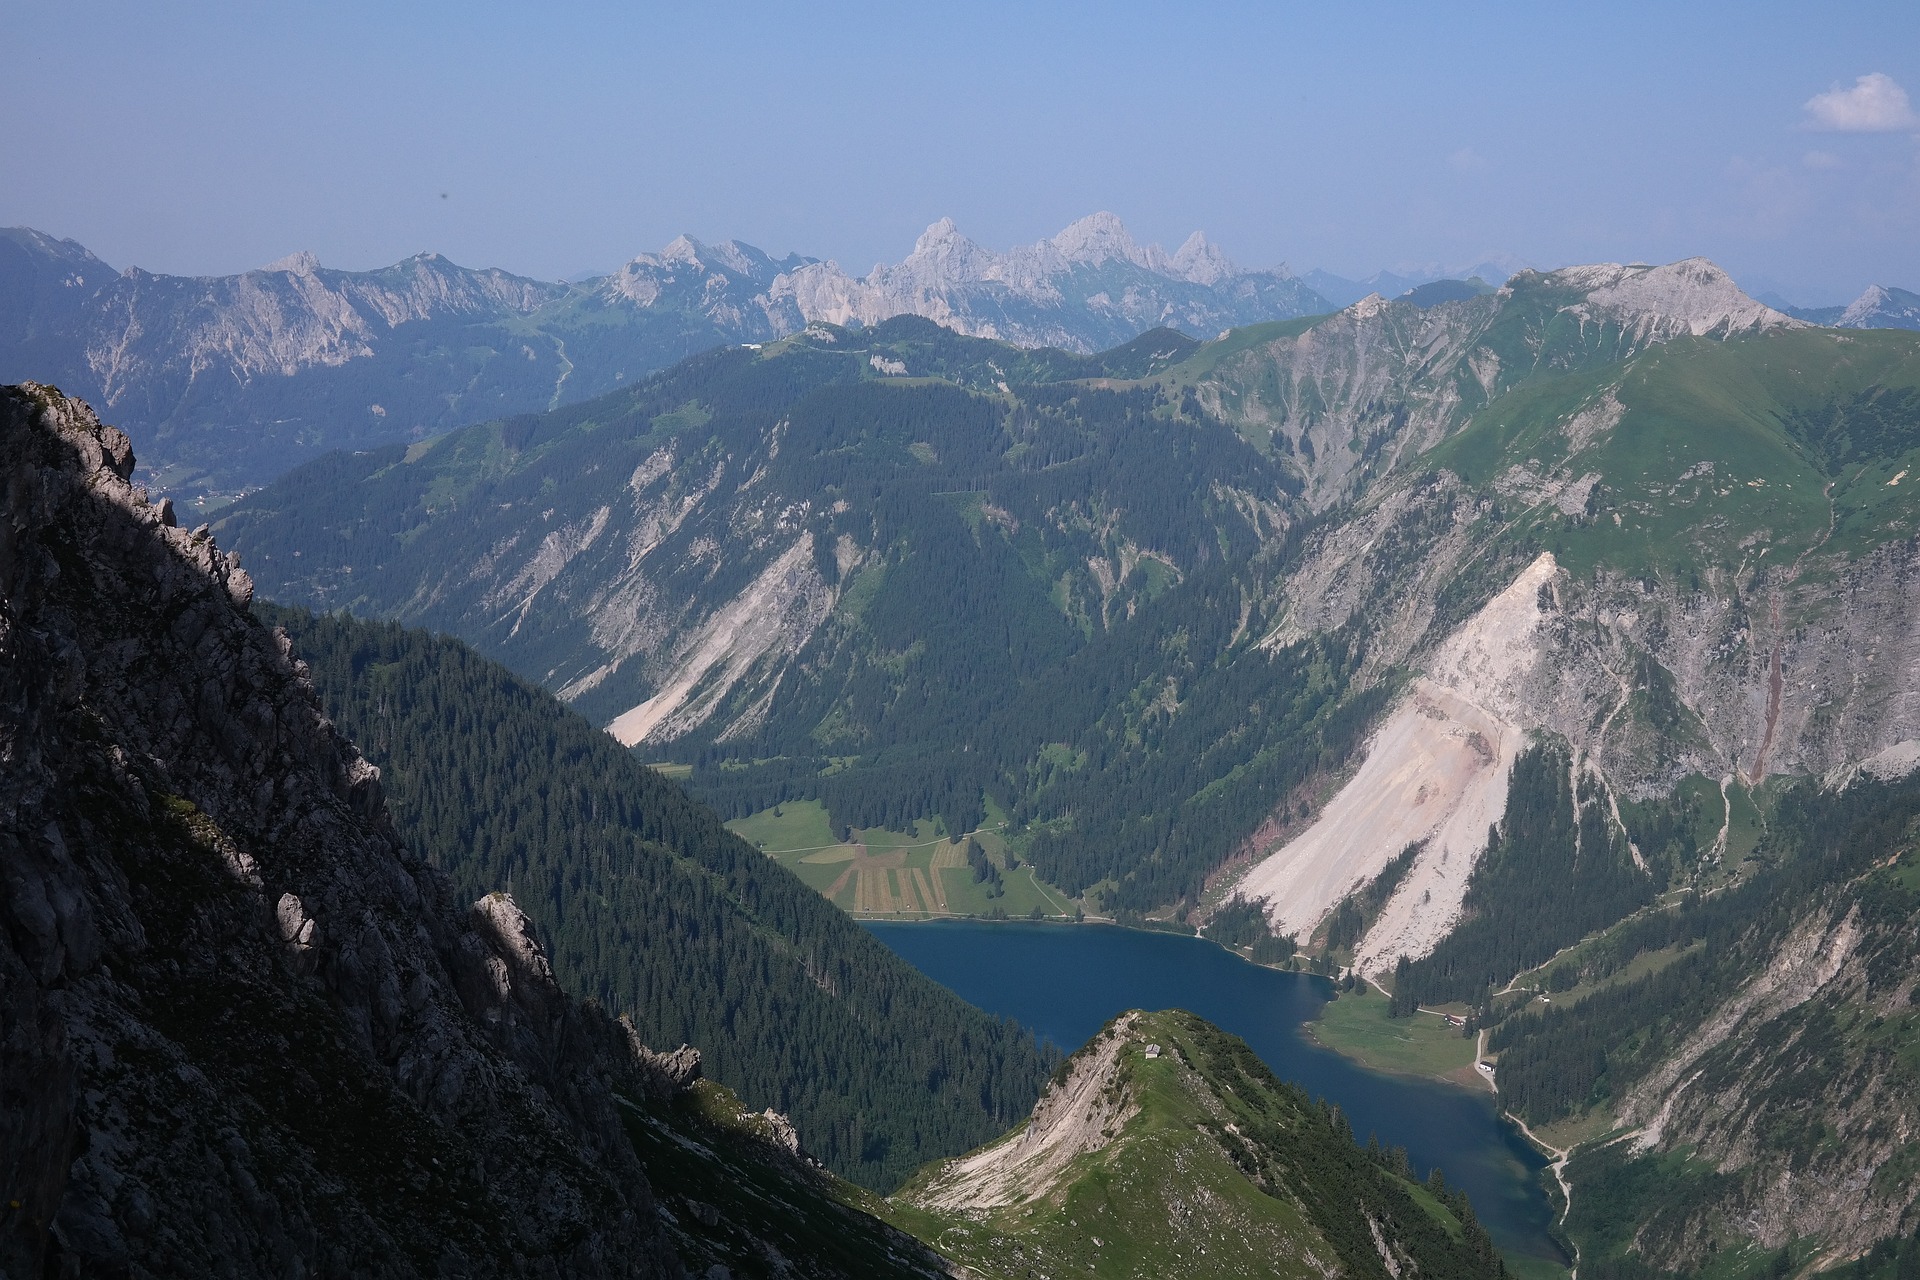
1712 454
1164 1147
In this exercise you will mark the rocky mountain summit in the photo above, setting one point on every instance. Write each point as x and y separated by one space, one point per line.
245 1031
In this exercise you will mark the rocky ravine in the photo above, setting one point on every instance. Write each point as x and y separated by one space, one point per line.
1774 1061
242 1029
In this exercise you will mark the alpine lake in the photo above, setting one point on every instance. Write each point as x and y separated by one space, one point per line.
1065 982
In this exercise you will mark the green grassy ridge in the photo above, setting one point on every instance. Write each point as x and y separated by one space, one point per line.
1220 1170
1692 401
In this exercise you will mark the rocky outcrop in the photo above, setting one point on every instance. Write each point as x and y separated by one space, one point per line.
243 1030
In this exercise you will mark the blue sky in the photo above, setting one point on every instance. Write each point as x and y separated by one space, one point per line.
213 137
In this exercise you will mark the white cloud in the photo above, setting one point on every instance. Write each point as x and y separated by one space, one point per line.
1822 160
1875 104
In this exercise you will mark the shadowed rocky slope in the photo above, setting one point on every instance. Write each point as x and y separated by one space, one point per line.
242 1030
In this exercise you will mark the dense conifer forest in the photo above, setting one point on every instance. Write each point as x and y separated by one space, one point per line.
1555 870
649 905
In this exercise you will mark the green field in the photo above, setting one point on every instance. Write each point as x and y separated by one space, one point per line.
915 874
1357 1026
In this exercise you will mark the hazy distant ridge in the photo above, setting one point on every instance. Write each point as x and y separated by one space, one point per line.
225 381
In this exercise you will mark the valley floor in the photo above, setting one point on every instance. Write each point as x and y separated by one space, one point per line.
918 874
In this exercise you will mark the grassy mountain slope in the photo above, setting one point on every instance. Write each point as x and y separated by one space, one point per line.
656 911
1164 1147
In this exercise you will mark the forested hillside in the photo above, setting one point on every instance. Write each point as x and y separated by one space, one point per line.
1762 1042
1556 870
655 910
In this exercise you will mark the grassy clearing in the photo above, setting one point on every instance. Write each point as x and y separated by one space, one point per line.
1357 1026
1571 1132
1534 980
915 874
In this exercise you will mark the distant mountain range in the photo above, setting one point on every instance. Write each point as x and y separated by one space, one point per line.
224 382
1343 292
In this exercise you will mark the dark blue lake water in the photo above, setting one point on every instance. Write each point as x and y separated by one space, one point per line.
1064 983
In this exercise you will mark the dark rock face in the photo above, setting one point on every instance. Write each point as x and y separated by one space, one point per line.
242 1030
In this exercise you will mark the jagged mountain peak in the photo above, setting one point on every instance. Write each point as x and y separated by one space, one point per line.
42 245
1101 237
942 257
1871 298
940 235
687 252
1881 307
1368 307
1199 260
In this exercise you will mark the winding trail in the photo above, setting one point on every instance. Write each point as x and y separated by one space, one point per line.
560 348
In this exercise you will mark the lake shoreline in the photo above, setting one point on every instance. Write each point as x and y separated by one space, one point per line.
1064 984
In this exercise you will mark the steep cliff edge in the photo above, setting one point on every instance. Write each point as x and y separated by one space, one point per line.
242 1029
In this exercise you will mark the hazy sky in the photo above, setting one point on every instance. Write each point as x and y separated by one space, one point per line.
551 139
